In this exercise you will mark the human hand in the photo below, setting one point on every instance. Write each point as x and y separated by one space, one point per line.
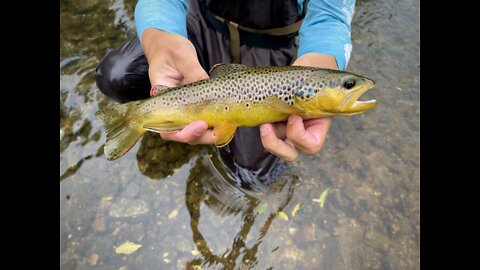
288 140
172 61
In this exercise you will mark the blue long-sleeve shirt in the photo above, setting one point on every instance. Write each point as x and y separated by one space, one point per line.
325 29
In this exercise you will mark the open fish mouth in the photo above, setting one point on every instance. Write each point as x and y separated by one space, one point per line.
351 102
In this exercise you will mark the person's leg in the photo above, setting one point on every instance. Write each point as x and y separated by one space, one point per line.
122 74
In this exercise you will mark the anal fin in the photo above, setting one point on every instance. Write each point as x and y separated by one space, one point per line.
163 127
224 133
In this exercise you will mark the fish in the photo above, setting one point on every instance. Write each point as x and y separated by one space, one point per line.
236 95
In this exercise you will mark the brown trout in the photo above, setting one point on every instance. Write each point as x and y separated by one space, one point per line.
236 95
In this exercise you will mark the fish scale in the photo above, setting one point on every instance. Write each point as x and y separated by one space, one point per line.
236 95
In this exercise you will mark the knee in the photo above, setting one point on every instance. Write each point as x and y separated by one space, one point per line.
122 75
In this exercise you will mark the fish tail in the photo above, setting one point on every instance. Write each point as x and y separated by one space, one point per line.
123 128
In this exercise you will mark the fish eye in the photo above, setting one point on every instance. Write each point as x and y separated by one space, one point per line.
349 83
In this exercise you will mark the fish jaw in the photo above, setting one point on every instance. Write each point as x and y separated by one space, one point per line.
337 101
351 104
361 106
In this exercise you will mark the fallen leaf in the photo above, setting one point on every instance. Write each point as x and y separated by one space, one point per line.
296 209
282 215
107 198
173 214
127 248
262 208
322 197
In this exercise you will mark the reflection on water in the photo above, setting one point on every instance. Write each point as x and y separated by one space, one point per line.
212 184
225 197
158 159
166 197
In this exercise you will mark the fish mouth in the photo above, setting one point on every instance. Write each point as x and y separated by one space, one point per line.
351 103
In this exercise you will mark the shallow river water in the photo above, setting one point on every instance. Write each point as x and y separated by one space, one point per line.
164 198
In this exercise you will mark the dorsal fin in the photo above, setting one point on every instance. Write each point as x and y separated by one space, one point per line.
223 69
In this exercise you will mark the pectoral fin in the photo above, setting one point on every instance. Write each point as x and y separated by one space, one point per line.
224 133
163 127
282 106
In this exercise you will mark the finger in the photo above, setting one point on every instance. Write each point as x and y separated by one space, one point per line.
159 78
195 133
191 69
308 139
283 149
196 74
172 72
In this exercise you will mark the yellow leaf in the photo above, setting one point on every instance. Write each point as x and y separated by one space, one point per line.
295 209
262 208
282 215
322 197
173 214
127 248
107 198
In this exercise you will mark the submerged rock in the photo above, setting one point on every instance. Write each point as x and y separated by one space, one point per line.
128 208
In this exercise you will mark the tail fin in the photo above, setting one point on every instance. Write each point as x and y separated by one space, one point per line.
123 128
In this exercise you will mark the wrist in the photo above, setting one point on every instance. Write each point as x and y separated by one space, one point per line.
150 40
317 60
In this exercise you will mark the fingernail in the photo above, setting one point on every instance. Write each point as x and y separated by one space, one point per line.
264 131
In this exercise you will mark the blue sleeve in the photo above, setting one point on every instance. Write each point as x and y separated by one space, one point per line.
167 15
326 29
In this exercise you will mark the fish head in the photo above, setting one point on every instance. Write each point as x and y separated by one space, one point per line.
329 92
